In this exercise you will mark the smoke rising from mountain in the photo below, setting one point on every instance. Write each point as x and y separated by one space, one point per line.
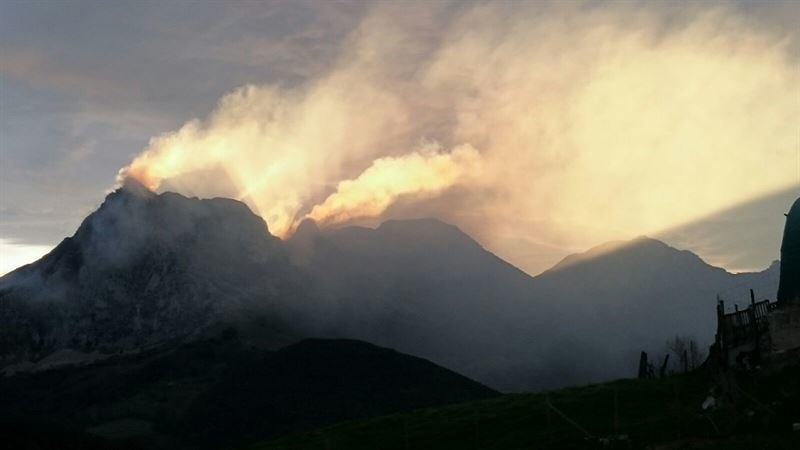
417 174
563 125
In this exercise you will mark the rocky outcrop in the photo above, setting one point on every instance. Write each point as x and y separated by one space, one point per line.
142 270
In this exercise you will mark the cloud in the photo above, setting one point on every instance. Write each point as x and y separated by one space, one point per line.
13 255
590 124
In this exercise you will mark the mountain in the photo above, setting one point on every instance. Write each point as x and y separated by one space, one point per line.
420 286
425 287
220 393
147 271
621 298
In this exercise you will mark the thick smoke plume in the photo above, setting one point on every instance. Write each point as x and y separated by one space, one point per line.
560 126
418 174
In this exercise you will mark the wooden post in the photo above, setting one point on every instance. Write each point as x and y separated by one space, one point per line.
754 331
643 366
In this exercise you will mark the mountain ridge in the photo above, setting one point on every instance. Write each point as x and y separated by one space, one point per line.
148 268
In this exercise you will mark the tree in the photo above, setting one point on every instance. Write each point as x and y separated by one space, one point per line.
696 354
678 346
687 351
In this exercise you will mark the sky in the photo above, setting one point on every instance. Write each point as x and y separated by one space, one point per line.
541 129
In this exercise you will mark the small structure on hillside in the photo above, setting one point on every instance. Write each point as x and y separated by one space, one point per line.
765 332
785 321
743 337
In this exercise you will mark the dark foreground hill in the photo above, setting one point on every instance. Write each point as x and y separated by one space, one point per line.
217 393
653 414
149 271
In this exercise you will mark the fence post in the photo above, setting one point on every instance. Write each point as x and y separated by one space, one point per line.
663 372
643 366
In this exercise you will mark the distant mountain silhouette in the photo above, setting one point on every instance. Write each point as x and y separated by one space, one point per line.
425 287
149 270
618 299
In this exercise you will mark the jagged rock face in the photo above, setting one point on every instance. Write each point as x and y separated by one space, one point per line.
141 270
789 290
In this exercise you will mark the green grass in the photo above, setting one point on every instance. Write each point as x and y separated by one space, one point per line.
649 412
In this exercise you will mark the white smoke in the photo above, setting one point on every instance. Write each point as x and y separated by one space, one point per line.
586 124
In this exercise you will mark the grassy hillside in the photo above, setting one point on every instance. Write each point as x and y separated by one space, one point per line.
632 414
219 393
